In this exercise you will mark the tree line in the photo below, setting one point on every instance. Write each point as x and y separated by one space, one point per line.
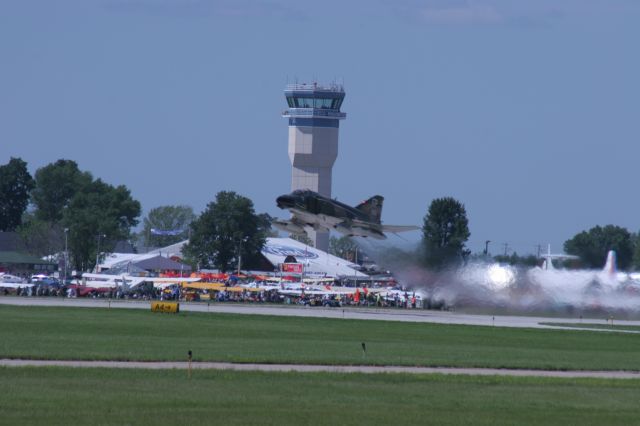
446 216
62 207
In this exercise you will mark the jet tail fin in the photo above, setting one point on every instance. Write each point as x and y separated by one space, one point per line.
372 207
610 267
547 265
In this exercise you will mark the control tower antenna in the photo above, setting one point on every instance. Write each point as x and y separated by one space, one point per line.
314 116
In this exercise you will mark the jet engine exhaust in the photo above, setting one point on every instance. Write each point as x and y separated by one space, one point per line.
492 286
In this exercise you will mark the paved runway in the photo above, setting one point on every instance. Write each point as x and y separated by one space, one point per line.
322 368
387 314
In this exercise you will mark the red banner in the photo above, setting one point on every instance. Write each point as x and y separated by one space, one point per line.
292 268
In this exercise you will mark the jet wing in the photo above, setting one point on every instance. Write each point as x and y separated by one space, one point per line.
315 220
301 219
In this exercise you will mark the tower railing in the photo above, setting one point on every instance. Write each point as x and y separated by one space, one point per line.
313 112
315 86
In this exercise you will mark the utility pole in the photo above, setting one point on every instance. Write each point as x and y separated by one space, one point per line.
486 247
506 247
539 247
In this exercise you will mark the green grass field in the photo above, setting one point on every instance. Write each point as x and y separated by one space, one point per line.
594 325
123 334
108 396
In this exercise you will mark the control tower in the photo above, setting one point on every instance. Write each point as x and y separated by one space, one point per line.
314 117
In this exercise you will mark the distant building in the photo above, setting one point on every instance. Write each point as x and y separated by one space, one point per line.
23 264
314 119
13 258
132 263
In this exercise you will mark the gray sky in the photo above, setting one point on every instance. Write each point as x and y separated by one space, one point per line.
525 111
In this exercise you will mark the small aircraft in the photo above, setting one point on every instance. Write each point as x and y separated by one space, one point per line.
565 282
547 264
129 281
312 211
10 279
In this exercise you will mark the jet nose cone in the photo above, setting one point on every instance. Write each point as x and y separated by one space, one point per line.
285 201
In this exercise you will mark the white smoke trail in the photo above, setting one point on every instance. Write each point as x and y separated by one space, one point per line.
482 284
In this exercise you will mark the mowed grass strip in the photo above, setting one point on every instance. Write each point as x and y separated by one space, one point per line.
109 396
123 334
594 325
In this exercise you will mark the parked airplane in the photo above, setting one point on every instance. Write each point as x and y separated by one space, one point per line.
608 279
112 281
312 211
10 279
547 264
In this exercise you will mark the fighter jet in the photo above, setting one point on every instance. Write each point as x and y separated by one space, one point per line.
311 210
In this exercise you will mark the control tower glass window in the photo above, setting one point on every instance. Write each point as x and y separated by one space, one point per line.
328 103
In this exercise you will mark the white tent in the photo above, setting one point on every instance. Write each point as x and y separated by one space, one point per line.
316 262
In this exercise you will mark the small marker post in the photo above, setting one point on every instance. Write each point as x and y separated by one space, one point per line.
364 350
190 355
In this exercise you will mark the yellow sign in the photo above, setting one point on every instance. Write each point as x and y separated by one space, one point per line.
169 307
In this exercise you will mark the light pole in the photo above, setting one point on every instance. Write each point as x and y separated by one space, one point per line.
241 240
66 253
98 252
486 247
240 256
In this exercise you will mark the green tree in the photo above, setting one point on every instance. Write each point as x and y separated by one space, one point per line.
166 225
636 251
635 259
42 232
15 185
41 237
592 246
227 230
56 184
98 215
343 247
445 232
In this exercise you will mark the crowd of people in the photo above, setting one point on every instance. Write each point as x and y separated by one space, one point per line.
230 291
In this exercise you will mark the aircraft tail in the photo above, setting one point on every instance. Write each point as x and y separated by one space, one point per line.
610 267
372 207
547 265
